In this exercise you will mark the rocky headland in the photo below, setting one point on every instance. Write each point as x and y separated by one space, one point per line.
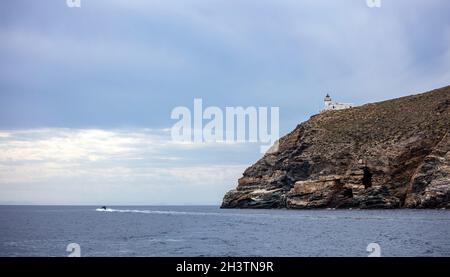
391 154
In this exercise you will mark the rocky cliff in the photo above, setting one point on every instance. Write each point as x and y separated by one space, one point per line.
390 154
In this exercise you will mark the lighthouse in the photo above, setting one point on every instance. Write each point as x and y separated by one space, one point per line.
330 105
327 101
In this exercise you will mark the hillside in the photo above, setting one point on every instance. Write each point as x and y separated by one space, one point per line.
390 154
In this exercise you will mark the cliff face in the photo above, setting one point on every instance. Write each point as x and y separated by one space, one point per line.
390 154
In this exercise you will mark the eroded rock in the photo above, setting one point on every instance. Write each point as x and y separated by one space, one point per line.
390 154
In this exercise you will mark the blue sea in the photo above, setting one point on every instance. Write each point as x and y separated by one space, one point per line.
210 231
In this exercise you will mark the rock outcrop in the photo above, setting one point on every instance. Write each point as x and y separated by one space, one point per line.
391 154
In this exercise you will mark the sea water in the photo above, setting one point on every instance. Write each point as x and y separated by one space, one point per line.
210 231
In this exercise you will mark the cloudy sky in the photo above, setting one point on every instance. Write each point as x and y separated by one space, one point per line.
86 93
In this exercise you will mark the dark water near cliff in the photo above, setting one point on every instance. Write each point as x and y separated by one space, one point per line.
209 231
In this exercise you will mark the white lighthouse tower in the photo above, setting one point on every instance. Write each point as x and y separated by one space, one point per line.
330 105
327 102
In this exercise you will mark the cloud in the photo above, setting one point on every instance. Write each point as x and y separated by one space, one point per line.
67 145
113 64
93 164
142 58
89 54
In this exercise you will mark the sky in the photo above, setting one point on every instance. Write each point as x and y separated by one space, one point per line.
86 93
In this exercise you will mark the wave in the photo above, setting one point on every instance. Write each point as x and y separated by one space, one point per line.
336 215
193 213
178 212
154 212
104 210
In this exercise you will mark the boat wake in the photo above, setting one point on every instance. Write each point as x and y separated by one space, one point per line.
159 212
153 212
104 210
318 215
136 211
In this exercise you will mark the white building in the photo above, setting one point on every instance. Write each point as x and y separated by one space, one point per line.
330 105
